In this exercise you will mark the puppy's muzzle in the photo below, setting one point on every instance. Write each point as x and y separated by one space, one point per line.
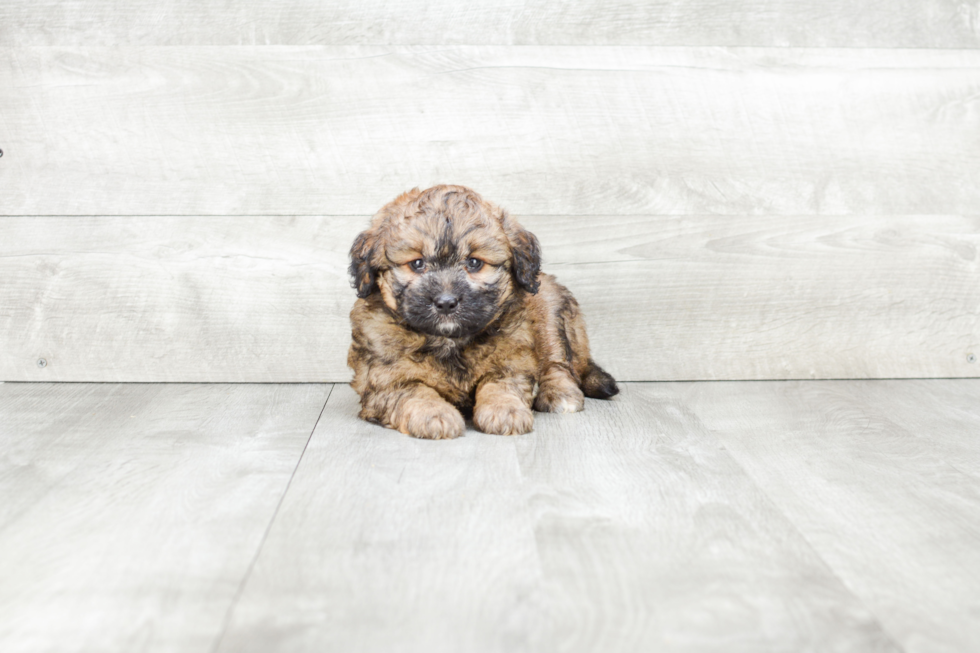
446 303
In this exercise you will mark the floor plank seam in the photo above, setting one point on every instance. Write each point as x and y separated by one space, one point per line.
529 515
268 529
830 569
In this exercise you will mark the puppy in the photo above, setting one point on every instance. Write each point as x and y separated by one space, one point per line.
455 318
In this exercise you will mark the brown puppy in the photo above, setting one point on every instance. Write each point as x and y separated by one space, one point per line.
454 315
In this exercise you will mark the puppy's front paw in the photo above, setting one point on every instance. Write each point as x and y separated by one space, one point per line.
431 420
567 399
503 419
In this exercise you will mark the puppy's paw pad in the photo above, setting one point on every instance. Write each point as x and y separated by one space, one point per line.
554 401
433 420
504 420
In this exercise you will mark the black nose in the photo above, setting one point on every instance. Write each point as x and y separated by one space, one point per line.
445 303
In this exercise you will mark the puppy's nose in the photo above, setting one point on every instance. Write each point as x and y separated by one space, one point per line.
445 303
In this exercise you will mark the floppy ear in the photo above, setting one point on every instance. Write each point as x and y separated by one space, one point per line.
526 253
362 271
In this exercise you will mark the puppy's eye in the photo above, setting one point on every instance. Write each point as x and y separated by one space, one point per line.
473 265
417 265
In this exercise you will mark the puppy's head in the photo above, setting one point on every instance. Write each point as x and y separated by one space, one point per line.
445 259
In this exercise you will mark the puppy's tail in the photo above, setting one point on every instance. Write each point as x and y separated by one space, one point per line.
598 383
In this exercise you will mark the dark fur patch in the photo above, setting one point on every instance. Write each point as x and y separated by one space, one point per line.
526 254
362 272
446 244
598 383
475 311
527 260
565 313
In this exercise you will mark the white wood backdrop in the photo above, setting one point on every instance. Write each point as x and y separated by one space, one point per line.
805 23
177 199
666 297
541 130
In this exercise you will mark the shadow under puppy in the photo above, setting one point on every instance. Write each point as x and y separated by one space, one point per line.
454 315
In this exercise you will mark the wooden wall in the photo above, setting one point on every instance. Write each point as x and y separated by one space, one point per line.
769 189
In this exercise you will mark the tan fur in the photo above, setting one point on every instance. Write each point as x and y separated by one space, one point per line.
416 382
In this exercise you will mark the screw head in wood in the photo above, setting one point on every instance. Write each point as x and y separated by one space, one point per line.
971 358
42 363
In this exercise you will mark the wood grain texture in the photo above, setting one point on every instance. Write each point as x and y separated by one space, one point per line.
651 538
386 543
697 297
949 427
130 513
177 299
802 516
642 535
787 297
879 498
901 23
542 130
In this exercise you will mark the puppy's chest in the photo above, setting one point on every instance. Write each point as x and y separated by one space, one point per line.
458 365
454 370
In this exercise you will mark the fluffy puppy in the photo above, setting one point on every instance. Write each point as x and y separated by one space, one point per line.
455 318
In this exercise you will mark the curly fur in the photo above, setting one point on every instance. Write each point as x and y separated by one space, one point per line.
504 338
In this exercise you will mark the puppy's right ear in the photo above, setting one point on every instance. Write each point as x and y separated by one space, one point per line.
362 271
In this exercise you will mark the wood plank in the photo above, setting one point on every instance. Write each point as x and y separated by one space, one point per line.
176 299
385 542
131 513
214 299
897 523
782 297
900 23
949 427
651 538
542 130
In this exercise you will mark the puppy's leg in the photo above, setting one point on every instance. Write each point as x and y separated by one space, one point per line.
595 381
415 410
503 406
567 371
557 344
558 391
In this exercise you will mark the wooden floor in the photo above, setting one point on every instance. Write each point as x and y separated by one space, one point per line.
716 516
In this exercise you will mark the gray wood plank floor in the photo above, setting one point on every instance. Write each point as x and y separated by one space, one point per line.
130 513
737 516
874 492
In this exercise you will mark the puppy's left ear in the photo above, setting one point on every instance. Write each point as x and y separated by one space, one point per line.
526 253
362 271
